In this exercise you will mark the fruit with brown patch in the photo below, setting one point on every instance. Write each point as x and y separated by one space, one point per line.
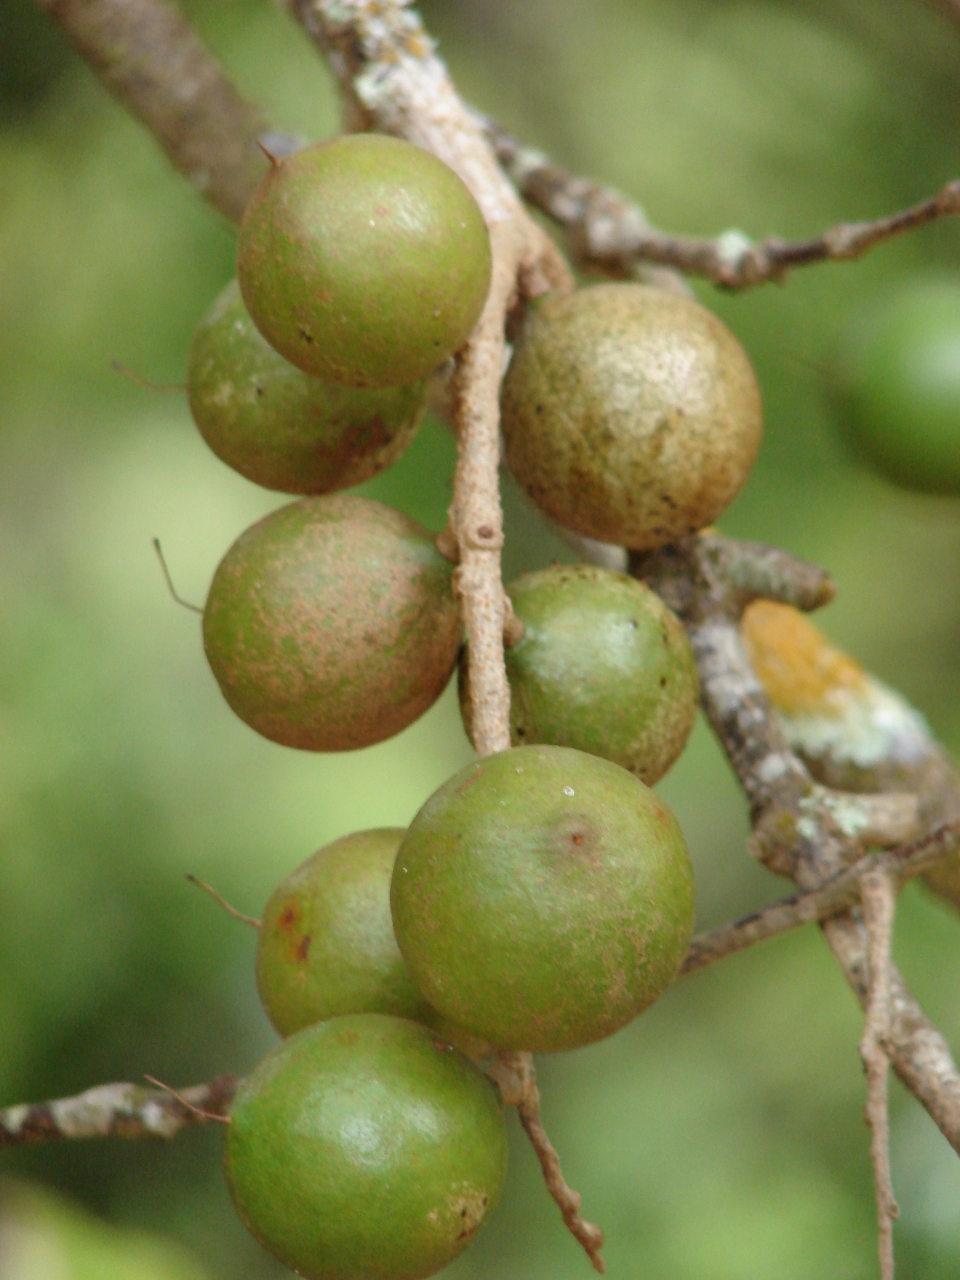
331 624
364 1148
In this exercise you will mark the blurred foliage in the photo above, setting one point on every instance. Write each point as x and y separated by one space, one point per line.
44 1238
720 1136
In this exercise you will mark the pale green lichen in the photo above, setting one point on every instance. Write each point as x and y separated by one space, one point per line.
866 727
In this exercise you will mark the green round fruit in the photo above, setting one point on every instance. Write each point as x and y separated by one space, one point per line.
542 898
326 938
603 666
331 624
898 385
364 260
327 945
278 426
630 415
364 1148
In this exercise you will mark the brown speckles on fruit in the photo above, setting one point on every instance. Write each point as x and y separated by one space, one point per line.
289 608
629 414
288 917
326 938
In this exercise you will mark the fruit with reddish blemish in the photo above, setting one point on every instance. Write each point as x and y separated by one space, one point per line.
603 666
542 898
630 414
327 946
331 624
278 426
364 260
326 938
365 1148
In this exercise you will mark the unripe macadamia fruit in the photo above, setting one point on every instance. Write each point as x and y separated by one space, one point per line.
542 898
327 946
364 260
331 624
365 1148
896 383
630 414
603 666
278 426
326 938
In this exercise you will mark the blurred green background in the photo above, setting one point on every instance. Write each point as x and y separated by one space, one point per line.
718 1138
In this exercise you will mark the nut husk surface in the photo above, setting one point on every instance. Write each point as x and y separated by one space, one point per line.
364 260
280 427
542 898
331 624
630 415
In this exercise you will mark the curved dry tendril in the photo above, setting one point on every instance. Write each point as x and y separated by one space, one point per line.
232 911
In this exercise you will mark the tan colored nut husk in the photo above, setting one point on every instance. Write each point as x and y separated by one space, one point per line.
629 414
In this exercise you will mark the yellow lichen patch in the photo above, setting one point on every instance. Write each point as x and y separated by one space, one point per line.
801 671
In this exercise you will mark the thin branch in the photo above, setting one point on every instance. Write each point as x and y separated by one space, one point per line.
117 1110
879 906
149 57
918 1052
609 232
836 896
392 80
517 1077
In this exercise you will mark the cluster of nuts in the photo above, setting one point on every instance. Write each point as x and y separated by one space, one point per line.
543 897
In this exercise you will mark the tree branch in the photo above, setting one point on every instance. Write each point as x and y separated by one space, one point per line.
117 1110
149 57
836 896
608 232
801 829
